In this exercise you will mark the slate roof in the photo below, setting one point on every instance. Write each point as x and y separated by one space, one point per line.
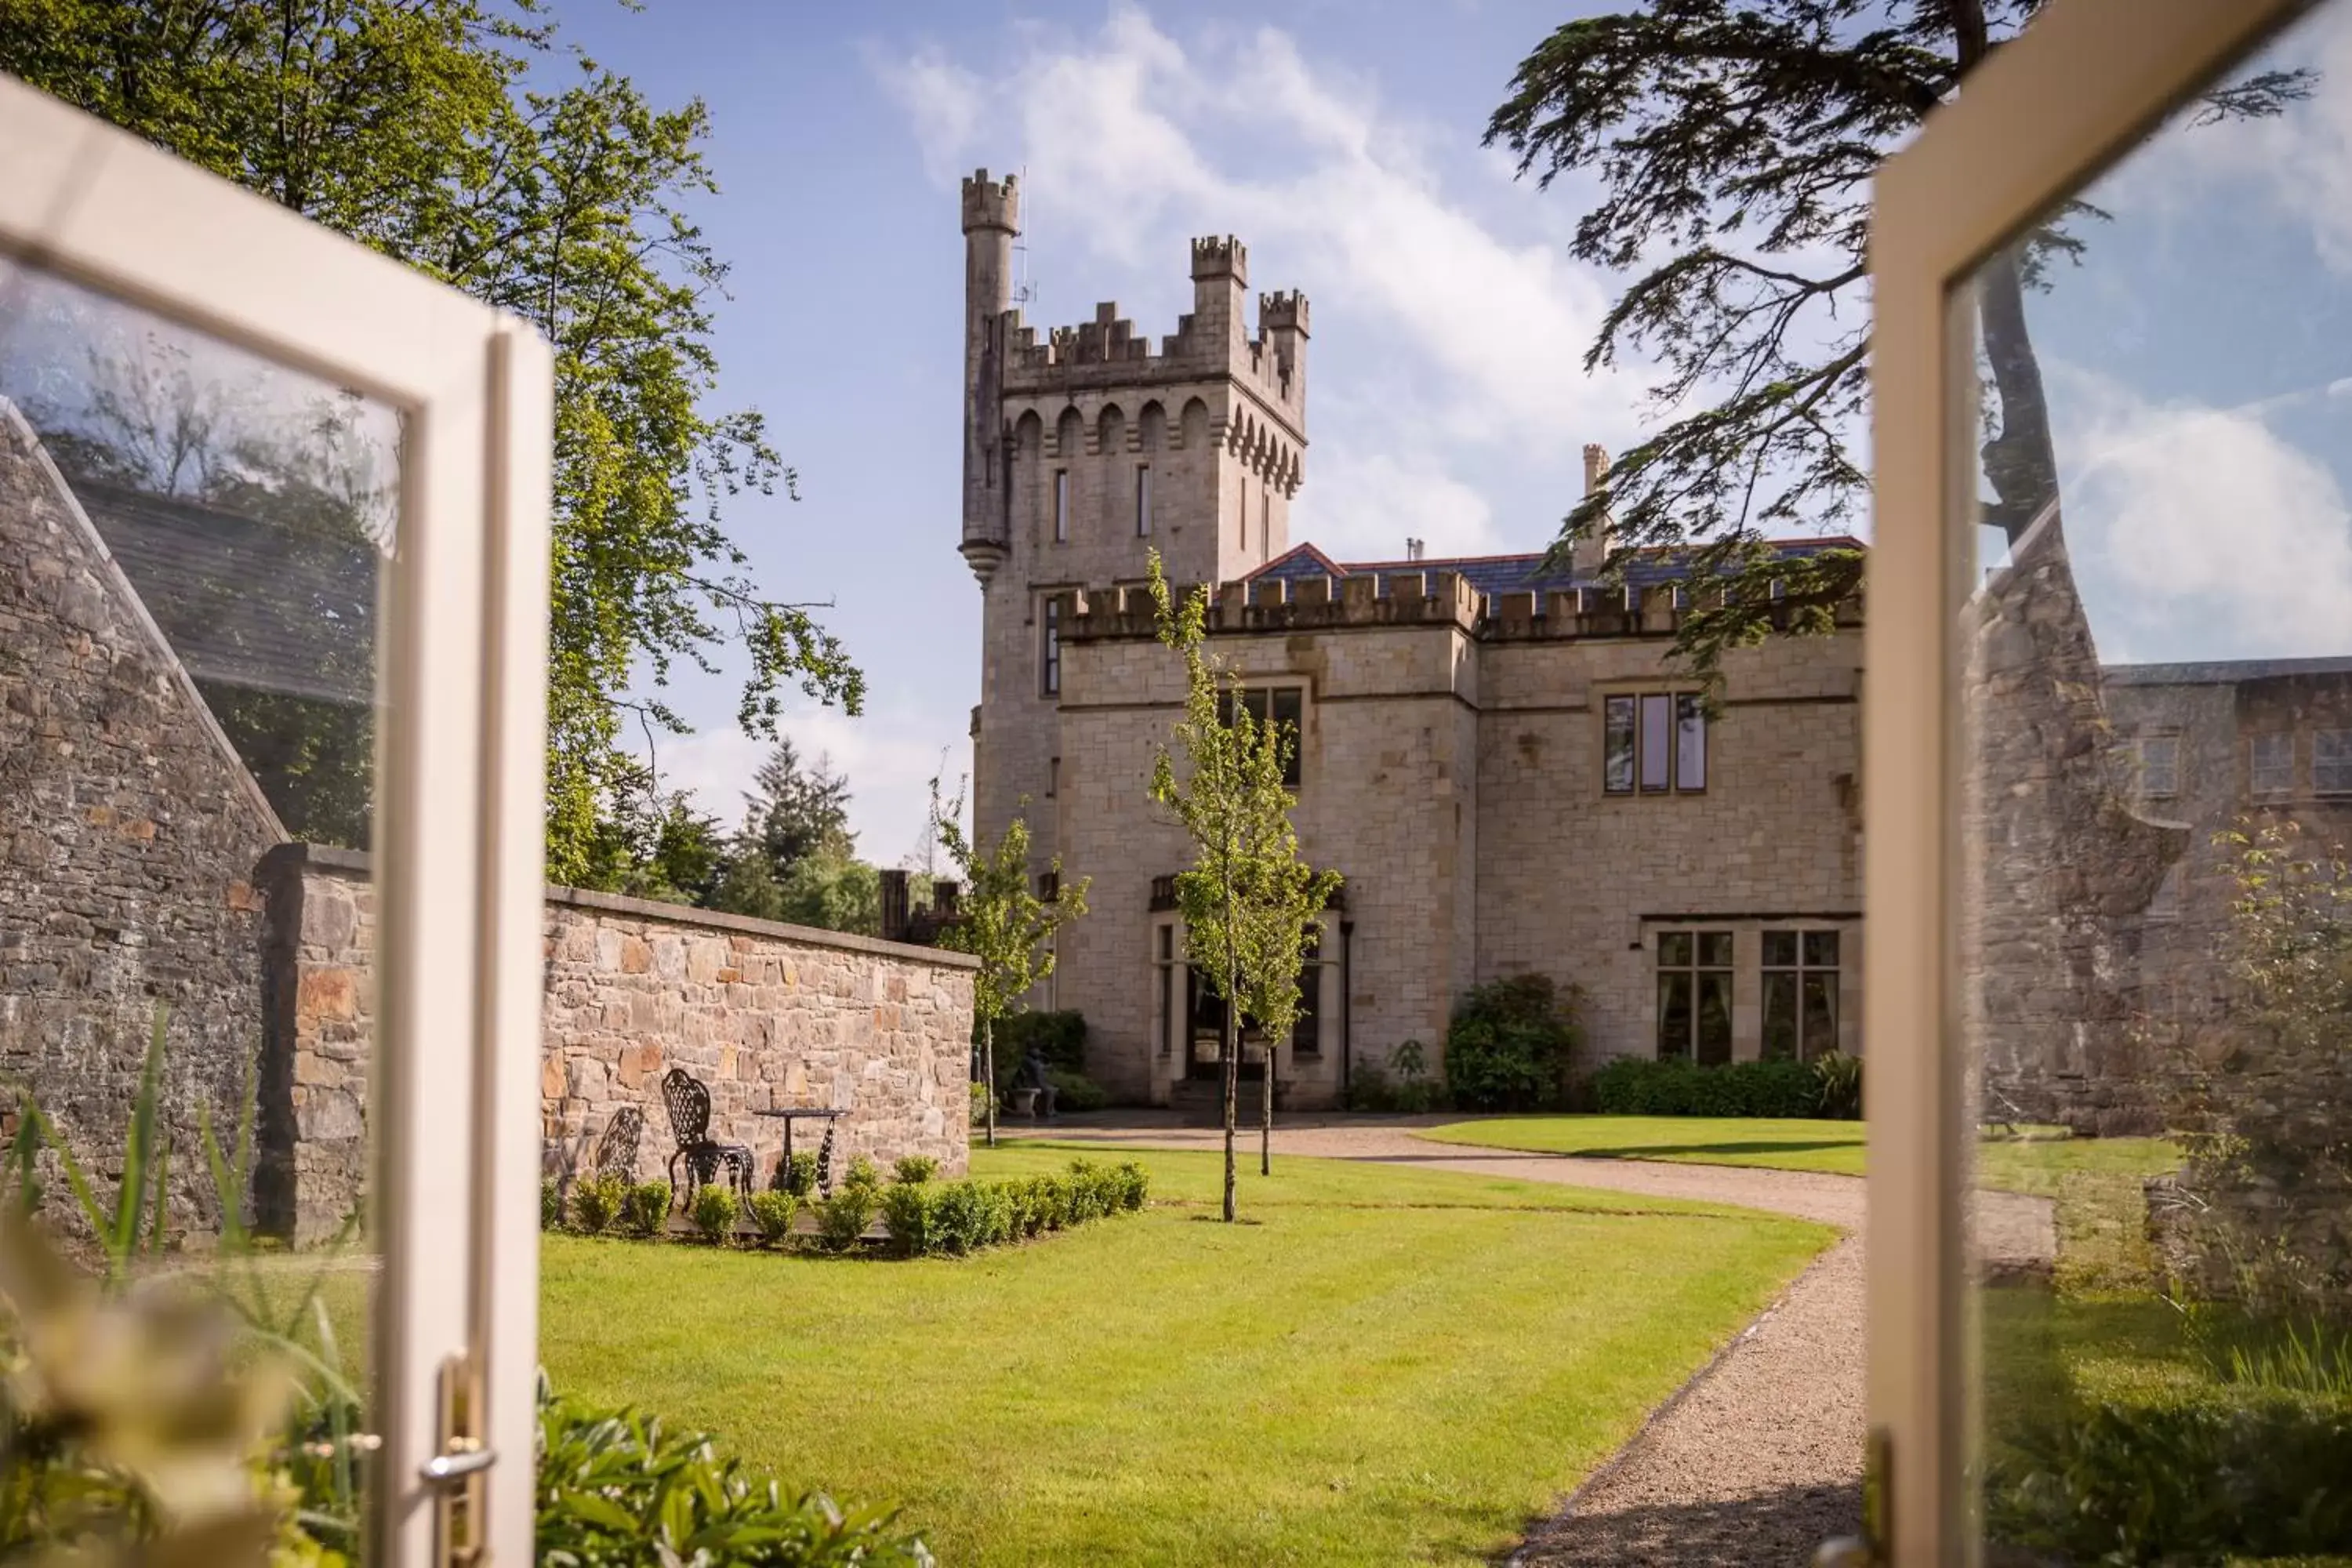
246 603
1520 573
2220 672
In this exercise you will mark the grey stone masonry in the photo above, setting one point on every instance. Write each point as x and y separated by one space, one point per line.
769 1017
129 833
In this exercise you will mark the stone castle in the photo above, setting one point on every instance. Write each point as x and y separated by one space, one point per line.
1497 756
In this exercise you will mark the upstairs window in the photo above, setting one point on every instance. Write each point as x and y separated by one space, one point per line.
1801 994
1653 742
1050 676
2272 761
1284 706
1695 996
2331 762
2156 762
1143 500
1061 505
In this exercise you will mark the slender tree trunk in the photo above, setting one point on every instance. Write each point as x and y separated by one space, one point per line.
1232 1083
1265 1116
988 1071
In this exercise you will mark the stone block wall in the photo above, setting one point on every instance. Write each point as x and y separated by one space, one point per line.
767 1015
129 833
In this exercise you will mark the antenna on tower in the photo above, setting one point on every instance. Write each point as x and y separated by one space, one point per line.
1023 291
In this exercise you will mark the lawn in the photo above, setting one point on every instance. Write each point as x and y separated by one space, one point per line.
1383 1365
2038 1164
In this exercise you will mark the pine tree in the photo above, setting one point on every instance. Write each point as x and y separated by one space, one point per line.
1733 143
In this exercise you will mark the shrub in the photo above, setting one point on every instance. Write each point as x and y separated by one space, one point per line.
1841 1082
1634 1086
913 1169
1076 1090
1369 1088
979 1105
550 1204
618 1487
713 1212
1060 1038
2253 1474
773 1213
910 1210
842 1219
597 1202
800 1175
863 1172
963 1216
645 1211
1509 1045
1134 1185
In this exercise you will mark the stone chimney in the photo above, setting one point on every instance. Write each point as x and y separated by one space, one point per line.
1590 552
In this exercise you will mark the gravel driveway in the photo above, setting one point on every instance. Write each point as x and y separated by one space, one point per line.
1758 1458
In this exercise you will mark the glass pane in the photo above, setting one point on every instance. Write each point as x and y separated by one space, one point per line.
1674 949
1617 762
2155 973
1690 745
1714 1017
1656 749
194 547
1780 1041
1714 948
1821 1013
1780 949
1821 950
1674 1014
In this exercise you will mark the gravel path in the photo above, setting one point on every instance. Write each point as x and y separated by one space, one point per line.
1758 1459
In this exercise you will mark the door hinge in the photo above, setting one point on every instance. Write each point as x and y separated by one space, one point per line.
458 1472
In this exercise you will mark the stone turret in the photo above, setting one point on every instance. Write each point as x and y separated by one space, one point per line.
991 220
1590 553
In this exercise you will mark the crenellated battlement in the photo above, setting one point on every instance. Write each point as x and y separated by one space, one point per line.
1399 599
992 204
1210 341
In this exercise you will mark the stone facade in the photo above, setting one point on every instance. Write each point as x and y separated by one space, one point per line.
767 1015
129 833
1452 713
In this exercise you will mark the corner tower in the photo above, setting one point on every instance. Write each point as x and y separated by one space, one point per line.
991 220
1088 450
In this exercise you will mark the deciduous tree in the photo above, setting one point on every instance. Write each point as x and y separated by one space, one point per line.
1003 924
1242 897
415 127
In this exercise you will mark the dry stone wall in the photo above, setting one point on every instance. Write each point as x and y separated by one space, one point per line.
769 1017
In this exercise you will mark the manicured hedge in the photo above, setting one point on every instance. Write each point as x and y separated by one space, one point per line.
957 1217
1631 1086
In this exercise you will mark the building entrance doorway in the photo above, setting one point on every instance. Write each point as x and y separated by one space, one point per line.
1204 1034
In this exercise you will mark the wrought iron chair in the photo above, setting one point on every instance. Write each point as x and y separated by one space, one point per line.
616 1150
688 1101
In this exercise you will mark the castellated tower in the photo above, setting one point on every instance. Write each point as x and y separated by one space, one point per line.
1087 451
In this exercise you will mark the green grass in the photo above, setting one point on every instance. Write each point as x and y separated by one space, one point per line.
1384 1365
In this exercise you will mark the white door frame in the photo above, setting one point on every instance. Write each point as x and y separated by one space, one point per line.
454 1101
2033 125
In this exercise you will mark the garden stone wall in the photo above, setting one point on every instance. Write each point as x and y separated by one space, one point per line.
768 1015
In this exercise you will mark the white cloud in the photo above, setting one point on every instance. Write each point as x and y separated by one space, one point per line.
1445 285
2200 533
1364 506
2300 161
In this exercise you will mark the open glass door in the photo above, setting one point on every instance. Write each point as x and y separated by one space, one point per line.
272 629
2110 702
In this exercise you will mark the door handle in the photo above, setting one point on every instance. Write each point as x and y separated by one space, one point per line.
464 1459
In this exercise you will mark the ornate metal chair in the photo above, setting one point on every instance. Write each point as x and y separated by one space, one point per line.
688 1101
616 1150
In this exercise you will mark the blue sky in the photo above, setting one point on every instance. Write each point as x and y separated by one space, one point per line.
1338 141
